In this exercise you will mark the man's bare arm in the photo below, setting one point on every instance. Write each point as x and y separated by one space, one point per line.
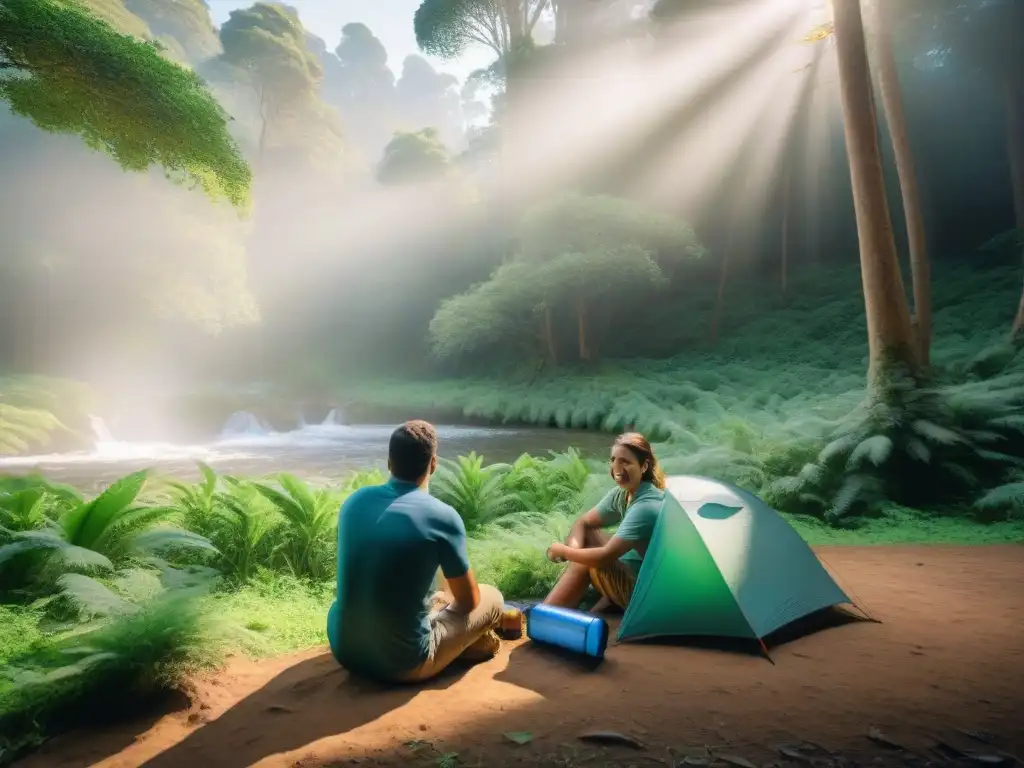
466 592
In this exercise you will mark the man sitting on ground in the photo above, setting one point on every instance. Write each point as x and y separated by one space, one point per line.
392 539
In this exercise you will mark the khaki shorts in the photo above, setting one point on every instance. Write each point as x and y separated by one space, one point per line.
616 582
469 636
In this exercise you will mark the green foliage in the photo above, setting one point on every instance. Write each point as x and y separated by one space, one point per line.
577 223
476 492
91 537
268 43
445 28
241 527
21 428
186 22
310 521
413 157
1006 500
27 411
915 446
552 486
71 72
281 524
577 255
103 670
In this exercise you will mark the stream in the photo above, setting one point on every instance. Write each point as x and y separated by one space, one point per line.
319 452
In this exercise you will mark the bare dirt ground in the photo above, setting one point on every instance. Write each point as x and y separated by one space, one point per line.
942 678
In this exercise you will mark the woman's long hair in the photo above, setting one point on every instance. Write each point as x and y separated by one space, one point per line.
639 447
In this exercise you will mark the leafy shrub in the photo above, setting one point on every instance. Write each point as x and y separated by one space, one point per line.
102 670
919 447
88 538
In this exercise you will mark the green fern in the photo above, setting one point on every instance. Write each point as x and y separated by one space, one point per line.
195 501
310 522
876 449
243 530
475 491
1006 500
93 536
106 666
23 510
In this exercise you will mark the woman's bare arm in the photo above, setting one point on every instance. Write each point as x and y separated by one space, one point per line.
589 521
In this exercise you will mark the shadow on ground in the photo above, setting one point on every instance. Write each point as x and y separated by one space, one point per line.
307 702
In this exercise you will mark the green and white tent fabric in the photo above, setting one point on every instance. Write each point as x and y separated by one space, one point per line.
723 563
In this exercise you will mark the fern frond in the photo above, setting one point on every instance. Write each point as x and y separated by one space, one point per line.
877 449
90 597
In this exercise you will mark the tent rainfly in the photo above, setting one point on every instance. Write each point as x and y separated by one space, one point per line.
723 563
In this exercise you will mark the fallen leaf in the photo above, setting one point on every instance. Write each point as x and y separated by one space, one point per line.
611 737
880 738
793 753
818 747
742 762
519 737
981 736
978 757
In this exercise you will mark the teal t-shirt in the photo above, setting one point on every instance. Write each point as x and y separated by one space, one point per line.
636 521
392 538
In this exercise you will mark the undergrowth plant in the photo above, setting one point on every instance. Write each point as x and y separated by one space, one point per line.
310 522
477 492
62 552
922 447
101 670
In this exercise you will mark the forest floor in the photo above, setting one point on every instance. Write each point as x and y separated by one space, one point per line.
945 665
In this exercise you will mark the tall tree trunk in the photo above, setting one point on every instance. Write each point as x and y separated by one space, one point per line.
891 347
723 278
784 262
548 334
815 168
1015 146
515 18
892 103
581 316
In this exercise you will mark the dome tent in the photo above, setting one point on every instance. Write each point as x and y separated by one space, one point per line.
723 563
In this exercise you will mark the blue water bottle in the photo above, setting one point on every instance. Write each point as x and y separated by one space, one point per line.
574 631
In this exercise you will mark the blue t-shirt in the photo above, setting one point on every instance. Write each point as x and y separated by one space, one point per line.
392 538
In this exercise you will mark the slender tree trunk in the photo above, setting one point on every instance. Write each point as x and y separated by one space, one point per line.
581 315
549 336
515 17
723 278
1015 146
890 336
261 147
561 10
784 263
892 103
814 169
825 191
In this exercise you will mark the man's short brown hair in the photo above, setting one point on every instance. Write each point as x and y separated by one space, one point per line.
410 450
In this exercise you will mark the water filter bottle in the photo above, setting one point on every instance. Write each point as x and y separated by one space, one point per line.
574 631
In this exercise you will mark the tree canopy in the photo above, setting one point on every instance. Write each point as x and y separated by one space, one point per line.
411 157
70 72
577 256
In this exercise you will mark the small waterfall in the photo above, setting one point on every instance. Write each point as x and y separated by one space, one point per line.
334 418
242 423
100 431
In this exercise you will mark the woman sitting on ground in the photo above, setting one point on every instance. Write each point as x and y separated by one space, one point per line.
612 563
